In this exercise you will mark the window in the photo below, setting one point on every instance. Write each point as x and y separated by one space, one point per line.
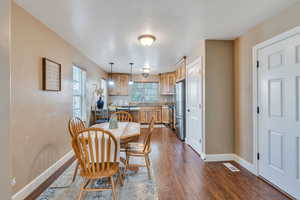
104 88
145 92
79 84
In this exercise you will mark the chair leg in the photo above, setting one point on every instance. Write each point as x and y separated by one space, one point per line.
121 177
82 188
75 172
127 162
113 188
148 165
80 194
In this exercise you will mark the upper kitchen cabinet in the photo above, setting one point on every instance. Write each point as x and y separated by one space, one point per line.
167 83
120 88
180 73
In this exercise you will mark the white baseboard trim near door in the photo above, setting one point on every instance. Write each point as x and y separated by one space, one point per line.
249 166
218 157
230 157
28 189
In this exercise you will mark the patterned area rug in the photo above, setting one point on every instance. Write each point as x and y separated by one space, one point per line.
137 186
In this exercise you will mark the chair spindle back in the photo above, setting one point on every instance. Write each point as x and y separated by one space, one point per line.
96 149
75 126
147 141
123 116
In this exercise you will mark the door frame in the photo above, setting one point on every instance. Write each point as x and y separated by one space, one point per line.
199 59
255 96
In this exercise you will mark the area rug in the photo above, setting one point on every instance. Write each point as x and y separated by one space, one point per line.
137 186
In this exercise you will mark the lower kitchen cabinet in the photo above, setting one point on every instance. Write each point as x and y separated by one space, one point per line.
165 115
146 113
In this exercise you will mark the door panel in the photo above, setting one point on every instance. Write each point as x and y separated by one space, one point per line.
278 121
194 106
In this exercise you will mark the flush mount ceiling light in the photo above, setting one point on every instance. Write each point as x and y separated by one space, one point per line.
111 81
147 40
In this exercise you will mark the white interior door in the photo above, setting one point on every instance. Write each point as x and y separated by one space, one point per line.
194 105
279 118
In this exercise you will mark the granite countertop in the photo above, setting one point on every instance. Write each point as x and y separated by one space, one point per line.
151 104
137 106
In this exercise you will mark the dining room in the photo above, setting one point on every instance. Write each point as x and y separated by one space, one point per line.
145 100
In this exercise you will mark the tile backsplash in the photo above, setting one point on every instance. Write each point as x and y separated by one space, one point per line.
125 100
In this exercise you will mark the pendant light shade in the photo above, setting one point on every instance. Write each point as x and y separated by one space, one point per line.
111 81
131 80
146 71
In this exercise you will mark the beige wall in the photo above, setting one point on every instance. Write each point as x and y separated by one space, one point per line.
5 153
219 116
243 74
39 118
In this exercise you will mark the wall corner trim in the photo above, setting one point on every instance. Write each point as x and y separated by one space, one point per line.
28 189
231 157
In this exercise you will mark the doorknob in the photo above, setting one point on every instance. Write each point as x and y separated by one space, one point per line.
188 110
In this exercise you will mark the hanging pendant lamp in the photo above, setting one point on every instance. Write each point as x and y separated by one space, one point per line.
111 81
131 80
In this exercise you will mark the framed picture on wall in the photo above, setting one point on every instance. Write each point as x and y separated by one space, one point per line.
51 75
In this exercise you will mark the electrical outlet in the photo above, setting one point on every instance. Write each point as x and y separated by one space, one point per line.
13 181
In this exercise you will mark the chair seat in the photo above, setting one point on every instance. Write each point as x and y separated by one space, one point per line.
106 172
135 147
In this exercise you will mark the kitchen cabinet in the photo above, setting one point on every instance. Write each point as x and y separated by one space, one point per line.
180 73
120 88
167 83
146 113
165 115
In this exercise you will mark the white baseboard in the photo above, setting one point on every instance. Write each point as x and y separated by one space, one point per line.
218 157
28 189
230 157
249 166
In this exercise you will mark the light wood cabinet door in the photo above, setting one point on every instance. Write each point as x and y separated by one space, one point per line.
113 89
120 88
171 83
165 115
167 83
157 115
146 114
180 73
142 116
123 84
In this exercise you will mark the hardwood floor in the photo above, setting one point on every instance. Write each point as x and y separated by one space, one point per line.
182 175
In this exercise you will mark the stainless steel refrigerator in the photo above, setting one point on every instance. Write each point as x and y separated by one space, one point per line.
180 109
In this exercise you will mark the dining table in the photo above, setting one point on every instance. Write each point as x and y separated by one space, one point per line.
124 133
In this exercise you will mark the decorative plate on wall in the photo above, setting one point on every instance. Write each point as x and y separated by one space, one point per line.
51 75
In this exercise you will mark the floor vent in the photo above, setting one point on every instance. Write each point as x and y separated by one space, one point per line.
231 167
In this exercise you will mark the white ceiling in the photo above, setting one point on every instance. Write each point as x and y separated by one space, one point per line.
107 30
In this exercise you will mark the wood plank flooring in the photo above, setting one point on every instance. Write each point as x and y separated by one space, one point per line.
182 175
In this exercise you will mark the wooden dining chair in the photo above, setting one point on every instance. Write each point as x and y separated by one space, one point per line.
123 116
134 149
96 150
75 126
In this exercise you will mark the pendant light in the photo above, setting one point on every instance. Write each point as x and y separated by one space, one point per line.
111 81
146 71
130 81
